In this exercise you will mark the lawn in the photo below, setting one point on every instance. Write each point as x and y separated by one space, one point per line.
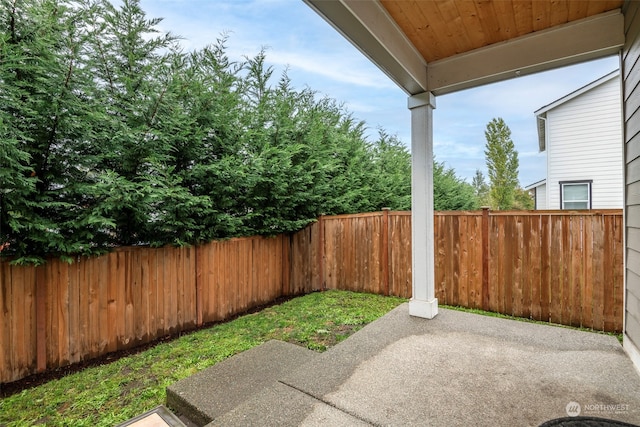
114 392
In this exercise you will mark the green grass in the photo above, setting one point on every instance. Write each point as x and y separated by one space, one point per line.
111 393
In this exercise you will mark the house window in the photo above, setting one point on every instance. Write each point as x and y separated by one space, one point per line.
575 194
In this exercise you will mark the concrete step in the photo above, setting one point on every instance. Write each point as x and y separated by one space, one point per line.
298 397
213 392
281 405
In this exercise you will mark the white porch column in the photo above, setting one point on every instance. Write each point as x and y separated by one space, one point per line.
423 302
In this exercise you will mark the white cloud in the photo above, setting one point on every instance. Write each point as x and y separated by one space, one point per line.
338 69
291 33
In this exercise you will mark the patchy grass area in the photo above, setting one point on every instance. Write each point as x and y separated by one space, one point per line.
108 394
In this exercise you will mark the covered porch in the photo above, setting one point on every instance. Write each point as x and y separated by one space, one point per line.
433 48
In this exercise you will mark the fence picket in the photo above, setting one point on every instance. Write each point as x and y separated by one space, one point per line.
618 273
609 277
113 302
17 327
599 274
527 269
534 275
62 313
577 270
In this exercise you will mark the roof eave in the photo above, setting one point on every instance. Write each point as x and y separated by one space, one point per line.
578 41
536 184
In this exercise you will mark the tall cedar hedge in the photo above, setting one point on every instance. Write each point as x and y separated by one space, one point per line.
111 135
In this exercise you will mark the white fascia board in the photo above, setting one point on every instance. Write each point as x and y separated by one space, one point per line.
589 38
368 26
536 184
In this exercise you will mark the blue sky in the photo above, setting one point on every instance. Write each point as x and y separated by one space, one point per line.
296 39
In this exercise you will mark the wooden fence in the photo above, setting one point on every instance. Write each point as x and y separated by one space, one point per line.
553 266
558 266
58 314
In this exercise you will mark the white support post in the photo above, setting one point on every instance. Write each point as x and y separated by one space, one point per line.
423 302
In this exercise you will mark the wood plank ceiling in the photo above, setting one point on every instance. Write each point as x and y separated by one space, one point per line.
443 28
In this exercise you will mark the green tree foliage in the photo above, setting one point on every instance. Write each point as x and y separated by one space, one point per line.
523 200
481 189
391 173
451 193
111 135
43 112
502 164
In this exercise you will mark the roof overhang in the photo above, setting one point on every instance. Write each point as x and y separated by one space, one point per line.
368 25
586 88
536 184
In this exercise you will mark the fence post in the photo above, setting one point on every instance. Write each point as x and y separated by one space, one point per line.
485 258
41 318
285 264
199 297
321 252
385 250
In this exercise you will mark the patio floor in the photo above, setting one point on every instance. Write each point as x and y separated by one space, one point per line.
458 369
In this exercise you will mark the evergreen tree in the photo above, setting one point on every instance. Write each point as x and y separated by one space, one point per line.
502 164
392 173
451 193
44 113
111 135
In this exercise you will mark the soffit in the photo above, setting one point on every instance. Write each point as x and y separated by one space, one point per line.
443 46
440 29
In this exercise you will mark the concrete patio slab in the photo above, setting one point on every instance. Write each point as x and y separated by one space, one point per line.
458 369
464 369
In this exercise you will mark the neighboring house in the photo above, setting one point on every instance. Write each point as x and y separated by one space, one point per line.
582 135
538 191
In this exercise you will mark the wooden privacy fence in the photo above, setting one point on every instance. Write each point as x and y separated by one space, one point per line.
564 267
560 266
57 314
557 266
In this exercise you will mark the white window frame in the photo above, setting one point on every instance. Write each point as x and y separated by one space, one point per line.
588 183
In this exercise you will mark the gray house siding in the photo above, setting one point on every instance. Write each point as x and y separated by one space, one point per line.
631 97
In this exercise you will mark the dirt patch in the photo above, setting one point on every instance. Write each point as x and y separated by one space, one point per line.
329 338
